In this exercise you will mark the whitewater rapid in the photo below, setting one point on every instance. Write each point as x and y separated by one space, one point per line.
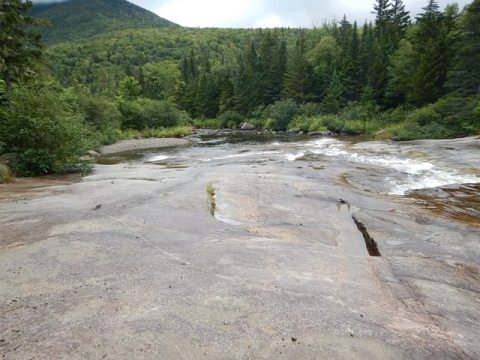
417 174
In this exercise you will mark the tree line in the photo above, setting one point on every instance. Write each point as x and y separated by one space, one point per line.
409 77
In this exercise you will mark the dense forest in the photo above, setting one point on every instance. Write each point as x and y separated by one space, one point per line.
397 77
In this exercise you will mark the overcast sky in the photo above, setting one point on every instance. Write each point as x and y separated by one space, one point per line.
267 13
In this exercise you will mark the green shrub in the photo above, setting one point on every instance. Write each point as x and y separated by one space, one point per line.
176 131
306 124
144 113
258 123
207 123
429 131
231 119
310 109
45 127
99 112
424 116
332 123
281 112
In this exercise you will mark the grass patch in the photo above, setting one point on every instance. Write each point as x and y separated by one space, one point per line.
208 123
129 134
211 198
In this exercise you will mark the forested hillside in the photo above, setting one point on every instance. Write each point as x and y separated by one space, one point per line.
81 19
397 62
397 77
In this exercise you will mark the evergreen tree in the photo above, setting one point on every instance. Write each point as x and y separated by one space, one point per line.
334 96
267 60
247 95
20 46
400 22
431 55
345 65
400 72
464 77
279 68
324 58
355 78
367 42
298 76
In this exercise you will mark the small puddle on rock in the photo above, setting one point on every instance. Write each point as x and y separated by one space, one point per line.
119 158
27 187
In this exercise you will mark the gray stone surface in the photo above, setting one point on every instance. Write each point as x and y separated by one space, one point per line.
247 126
140 144
281 271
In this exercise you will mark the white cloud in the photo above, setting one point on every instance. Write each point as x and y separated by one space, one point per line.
267 13
271 21
207 12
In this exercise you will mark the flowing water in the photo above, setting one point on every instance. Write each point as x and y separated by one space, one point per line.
403 173
394 169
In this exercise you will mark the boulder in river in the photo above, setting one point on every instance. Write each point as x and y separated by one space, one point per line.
93 153
247 126
294 130
320 133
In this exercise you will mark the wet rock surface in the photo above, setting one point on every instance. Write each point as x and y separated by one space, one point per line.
281 271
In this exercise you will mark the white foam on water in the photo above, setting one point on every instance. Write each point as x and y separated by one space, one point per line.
242 155
431 179
158 158
417 174
293 157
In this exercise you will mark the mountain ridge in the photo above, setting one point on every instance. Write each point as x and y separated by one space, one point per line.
82 19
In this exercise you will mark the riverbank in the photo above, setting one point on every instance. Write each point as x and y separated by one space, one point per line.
132 264
141 144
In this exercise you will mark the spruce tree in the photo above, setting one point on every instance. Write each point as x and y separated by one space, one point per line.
464 77
334 96
400 22
20 46
298 76
431 55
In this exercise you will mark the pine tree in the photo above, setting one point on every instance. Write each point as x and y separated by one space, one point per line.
345 65
367 41
334 97
279 68
298 76
382 49
356 80
400 22
464 77
400 74
247 94
267 60
431 55
20 46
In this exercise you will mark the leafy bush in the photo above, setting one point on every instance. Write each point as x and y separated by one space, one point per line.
281 112
99 112
306 124
177 131
310 109
231 119
146 113
45 127
424 116
207 123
